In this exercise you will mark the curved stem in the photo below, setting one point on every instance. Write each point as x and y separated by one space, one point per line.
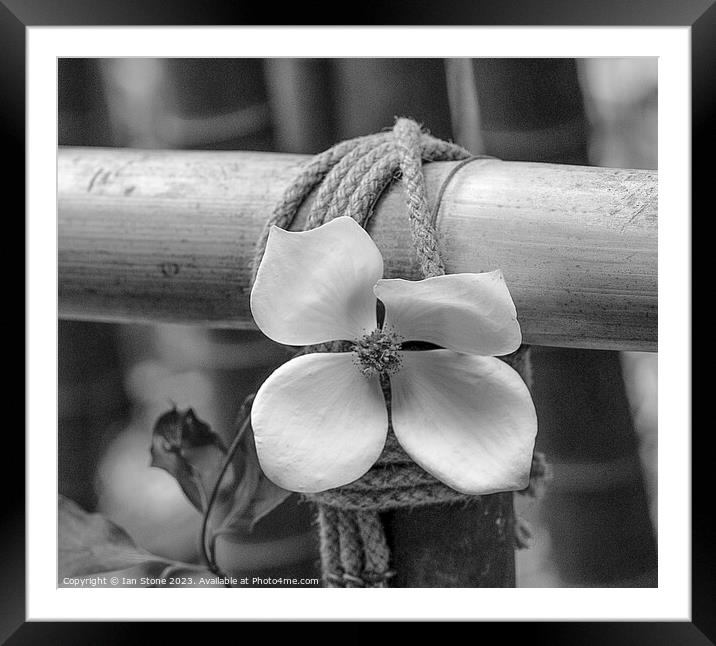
208 546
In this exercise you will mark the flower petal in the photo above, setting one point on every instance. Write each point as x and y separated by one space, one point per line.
316 286
467 420
318 423
471 313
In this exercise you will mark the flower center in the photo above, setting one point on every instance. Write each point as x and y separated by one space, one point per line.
378 353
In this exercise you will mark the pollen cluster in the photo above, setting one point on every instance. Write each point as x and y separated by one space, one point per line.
378 353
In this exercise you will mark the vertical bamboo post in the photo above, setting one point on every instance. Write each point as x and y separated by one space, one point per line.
299 95
464 104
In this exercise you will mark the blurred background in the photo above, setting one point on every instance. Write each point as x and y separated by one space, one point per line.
595 526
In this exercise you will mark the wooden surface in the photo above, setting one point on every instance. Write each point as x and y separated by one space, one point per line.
167 236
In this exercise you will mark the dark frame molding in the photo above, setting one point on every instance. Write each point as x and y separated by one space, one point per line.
700 15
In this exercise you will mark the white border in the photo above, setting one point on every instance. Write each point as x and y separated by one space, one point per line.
671 600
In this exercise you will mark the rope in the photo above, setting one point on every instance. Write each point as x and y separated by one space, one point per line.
425 240
349 179
343 181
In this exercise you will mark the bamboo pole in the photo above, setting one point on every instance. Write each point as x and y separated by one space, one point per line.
167 236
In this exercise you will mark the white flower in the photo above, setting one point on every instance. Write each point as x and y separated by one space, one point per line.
320 420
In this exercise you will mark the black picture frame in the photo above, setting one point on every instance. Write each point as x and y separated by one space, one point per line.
700 15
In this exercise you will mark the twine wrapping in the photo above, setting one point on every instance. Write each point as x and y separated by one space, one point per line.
350 178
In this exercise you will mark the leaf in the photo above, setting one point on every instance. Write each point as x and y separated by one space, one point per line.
187 448
196 433
184 430
90 543
177 465
255 495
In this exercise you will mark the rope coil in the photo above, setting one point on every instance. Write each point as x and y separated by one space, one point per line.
350 178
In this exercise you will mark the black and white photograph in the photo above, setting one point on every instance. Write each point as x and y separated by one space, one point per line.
402 306
358 322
